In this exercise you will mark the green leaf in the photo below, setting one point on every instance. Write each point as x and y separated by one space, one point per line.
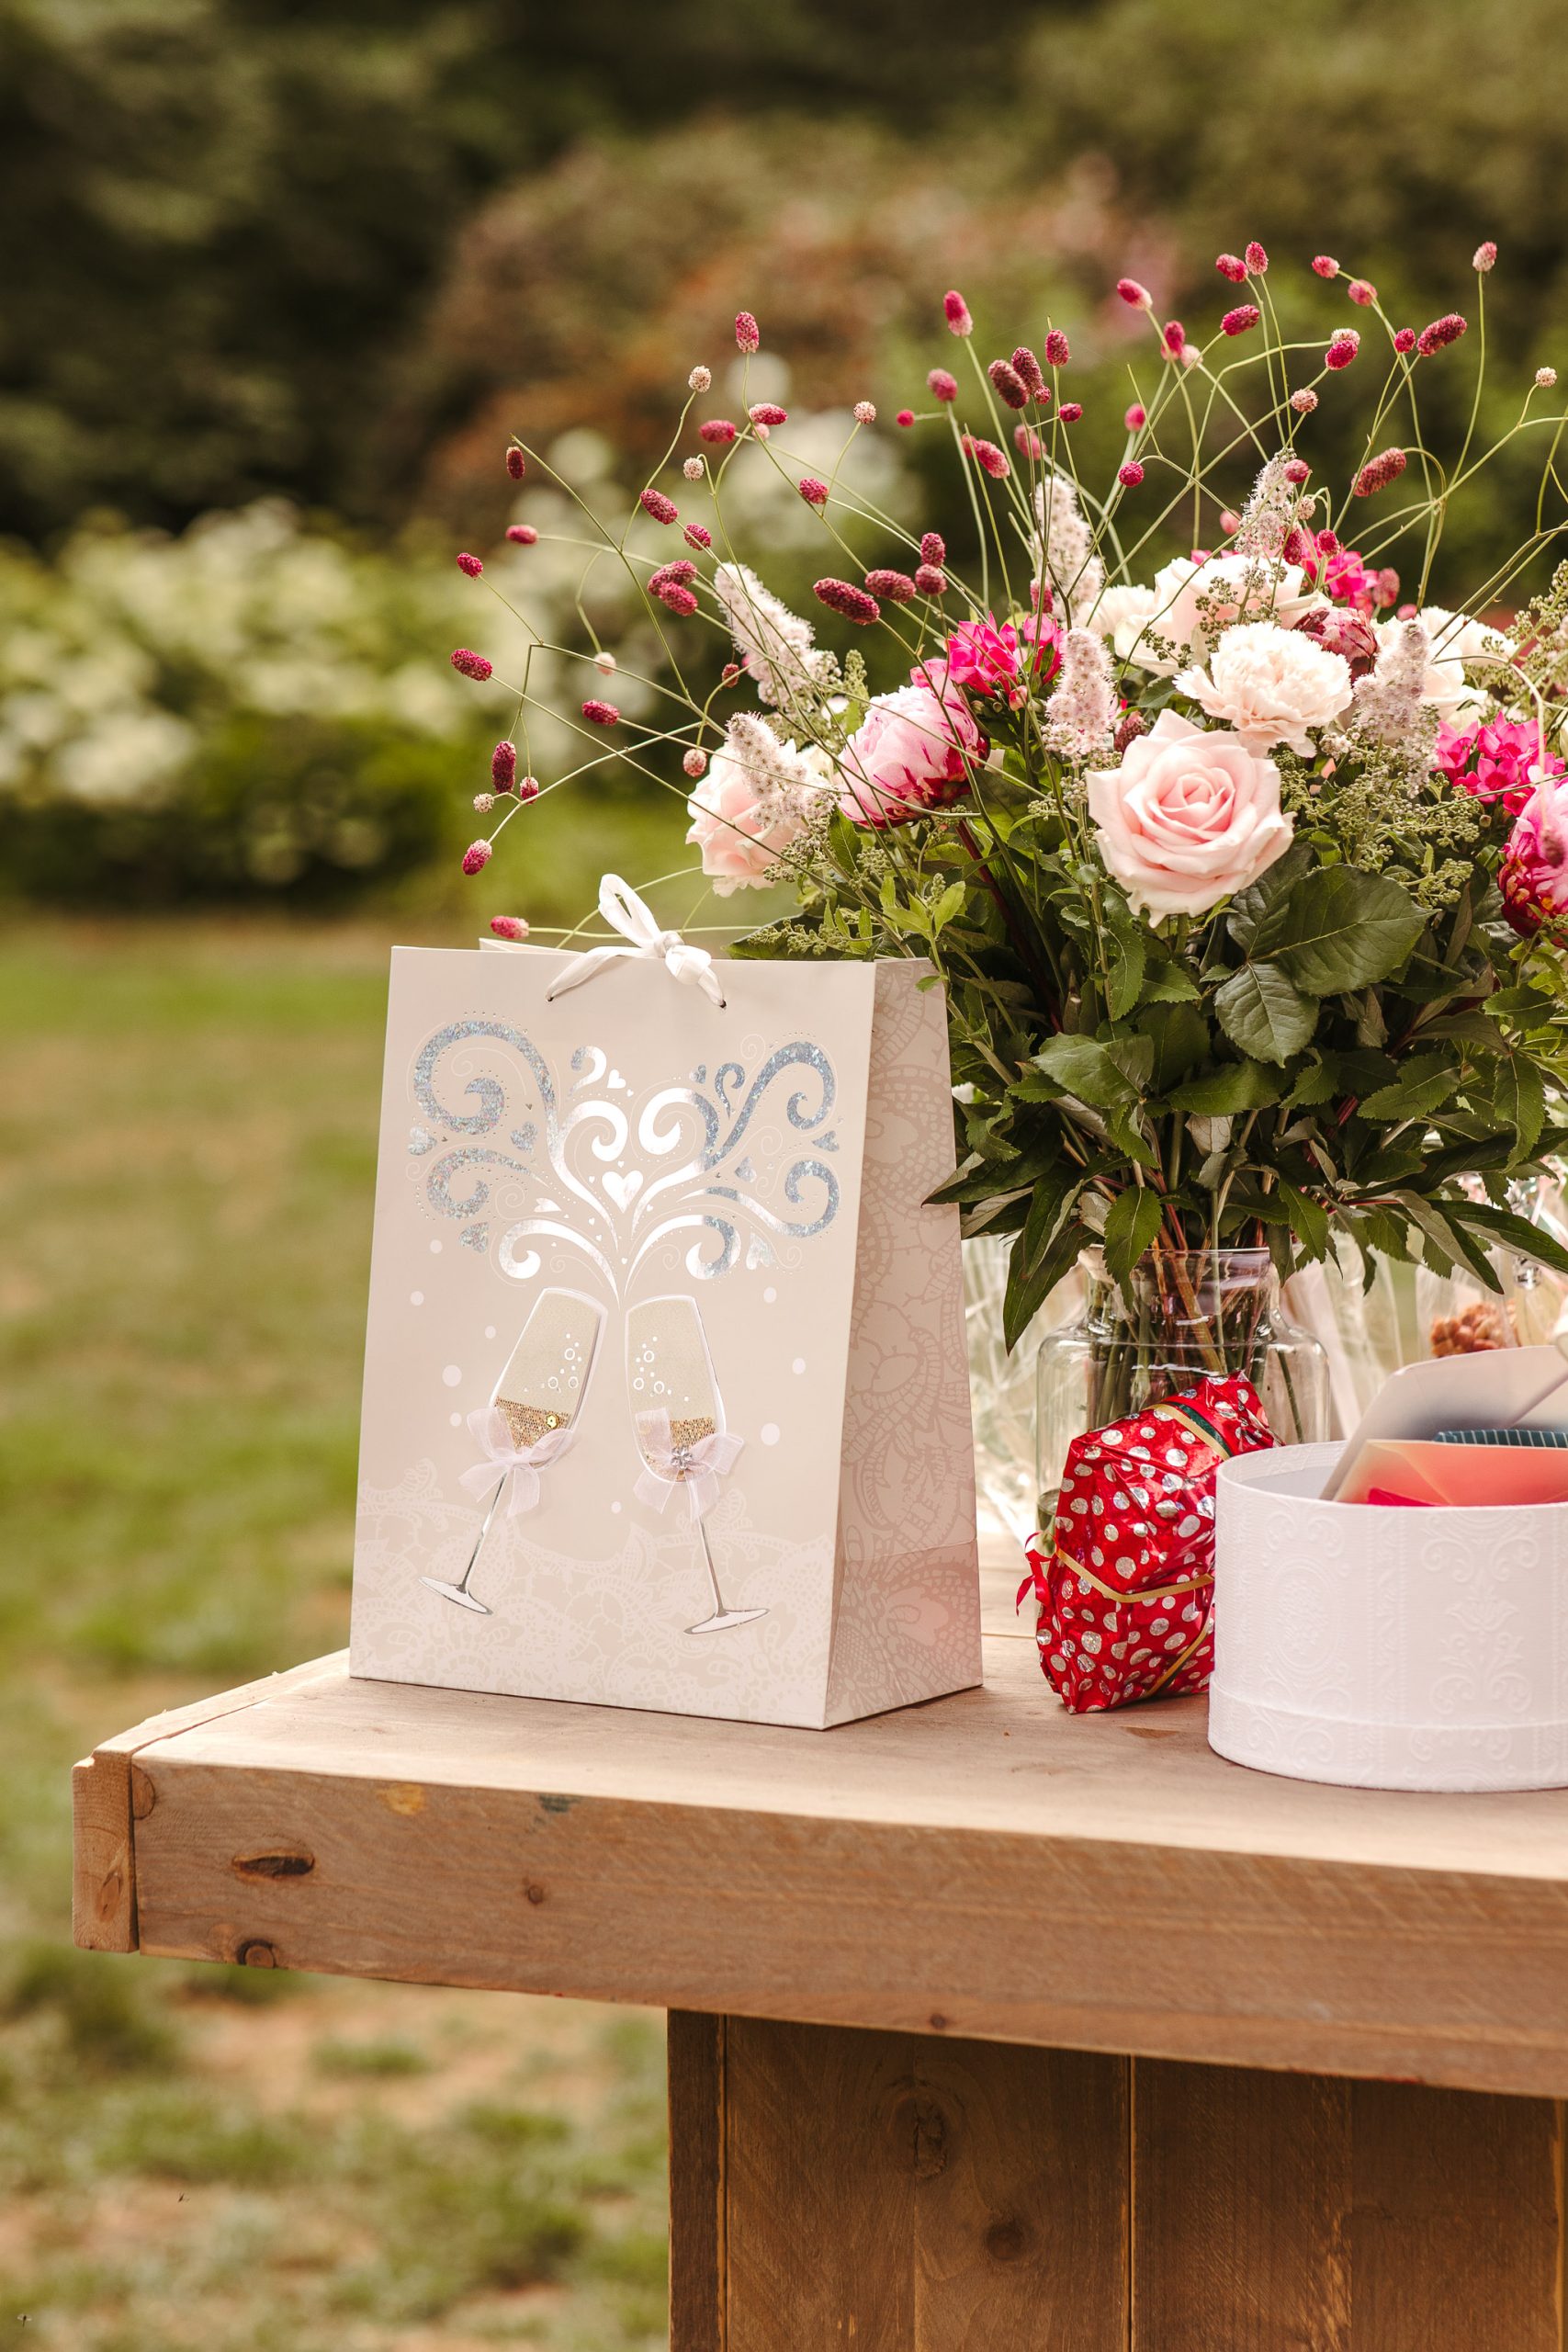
1519 1094
1308 1219
1026 1292
1259 1011
1083 1066
1131 1227
1425 1082
1129 950
1529 1240
1233 1086
950 904
1168 983
1179 1036
1338 929
1248 907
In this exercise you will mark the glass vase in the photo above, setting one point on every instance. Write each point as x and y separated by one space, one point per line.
1186 1316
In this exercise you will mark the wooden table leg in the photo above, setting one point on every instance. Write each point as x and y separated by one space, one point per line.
911 2193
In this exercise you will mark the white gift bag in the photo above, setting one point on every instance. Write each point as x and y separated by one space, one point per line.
666 1402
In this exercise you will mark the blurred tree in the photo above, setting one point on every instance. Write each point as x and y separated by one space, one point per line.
222 216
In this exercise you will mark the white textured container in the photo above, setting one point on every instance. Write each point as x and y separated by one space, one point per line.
1382 1648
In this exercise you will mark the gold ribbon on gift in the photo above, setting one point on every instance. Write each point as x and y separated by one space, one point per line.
1182 1410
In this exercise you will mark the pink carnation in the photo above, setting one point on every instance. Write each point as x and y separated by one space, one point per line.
1534 876
989 657
1497 760
1345 578
909 752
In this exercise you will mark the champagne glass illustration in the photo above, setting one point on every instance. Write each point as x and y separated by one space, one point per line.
531 1418
678 1423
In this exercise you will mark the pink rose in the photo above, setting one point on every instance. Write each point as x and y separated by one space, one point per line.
987 657
1189 816
1496 760
910 751
1534 878
747 808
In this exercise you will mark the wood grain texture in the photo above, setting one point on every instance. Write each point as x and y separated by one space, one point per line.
1456 2228
898 2193
904 2193
1103 1884
695 2059
104 1794
1241 2191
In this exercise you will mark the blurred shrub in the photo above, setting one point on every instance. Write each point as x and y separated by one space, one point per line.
255 707
584 295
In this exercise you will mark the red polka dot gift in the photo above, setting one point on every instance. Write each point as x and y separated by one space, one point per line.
1126 1592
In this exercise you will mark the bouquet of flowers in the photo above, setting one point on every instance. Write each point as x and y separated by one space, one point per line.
1241 860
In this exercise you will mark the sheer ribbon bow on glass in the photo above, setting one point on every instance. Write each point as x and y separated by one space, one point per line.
507 1461
671 1466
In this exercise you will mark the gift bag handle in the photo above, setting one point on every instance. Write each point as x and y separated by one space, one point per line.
633 918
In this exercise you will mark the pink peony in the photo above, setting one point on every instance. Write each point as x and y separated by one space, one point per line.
984 656
1189 818
910 751
1534 878
1496 760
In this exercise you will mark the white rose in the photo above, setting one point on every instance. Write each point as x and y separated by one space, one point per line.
1191 598
1121 615
1455 638
1271 684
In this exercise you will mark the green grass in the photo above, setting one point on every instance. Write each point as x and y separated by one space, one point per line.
230 2160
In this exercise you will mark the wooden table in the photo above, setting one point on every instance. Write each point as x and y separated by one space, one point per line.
988 2028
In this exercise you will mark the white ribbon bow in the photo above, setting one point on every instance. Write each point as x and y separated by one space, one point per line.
624 911
698 1468
504 1458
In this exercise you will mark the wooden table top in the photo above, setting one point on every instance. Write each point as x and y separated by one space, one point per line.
983 1865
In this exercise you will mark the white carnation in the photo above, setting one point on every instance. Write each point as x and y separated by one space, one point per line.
1271 684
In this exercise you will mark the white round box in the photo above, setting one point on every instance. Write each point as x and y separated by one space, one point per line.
1385 1647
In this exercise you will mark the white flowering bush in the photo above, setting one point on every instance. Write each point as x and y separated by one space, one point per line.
247 708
